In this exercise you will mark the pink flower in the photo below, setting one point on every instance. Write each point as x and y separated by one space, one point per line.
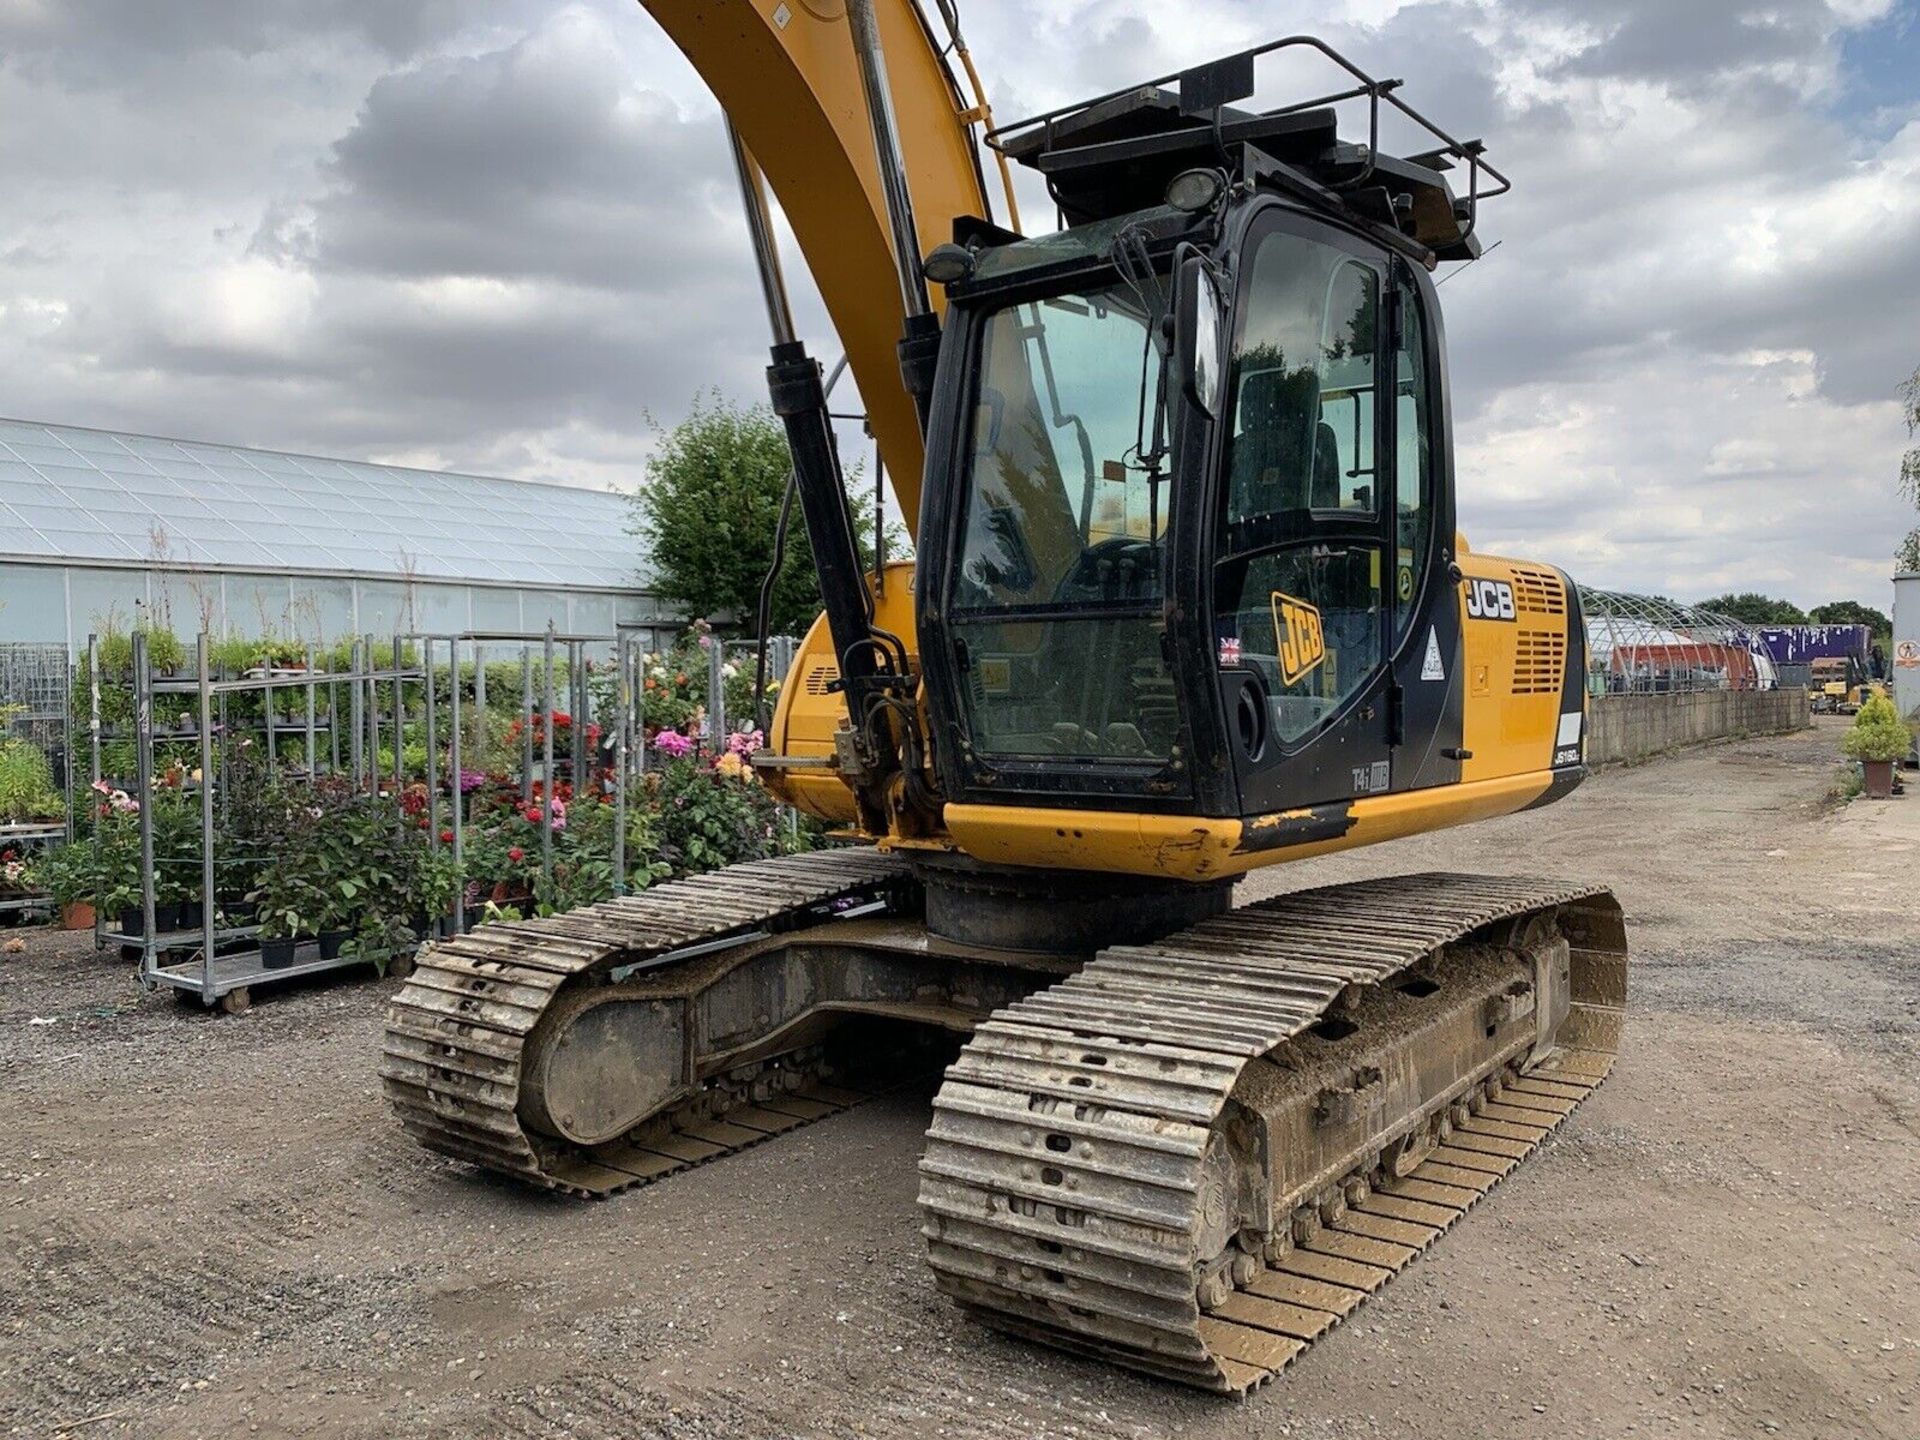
101 787
744 742
516 854
672 742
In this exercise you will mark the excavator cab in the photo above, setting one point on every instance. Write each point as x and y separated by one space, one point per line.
1187 536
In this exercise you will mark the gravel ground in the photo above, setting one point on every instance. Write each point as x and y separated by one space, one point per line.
210 1226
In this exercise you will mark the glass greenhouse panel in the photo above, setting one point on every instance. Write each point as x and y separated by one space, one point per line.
322 610
258 605
496 610
33 603
441 609
593 614
102 600
383 608
537 607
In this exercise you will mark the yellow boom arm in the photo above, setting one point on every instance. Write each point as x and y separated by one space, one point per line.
787 74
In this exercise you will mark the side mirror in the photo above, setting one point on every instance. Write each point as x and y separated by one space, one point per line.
1197 329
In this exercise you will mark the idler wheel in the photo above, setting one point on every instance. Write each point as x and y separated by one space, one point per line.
599 1063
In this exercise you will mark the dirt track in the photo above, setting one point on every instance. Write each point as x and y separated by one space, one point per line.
211 1226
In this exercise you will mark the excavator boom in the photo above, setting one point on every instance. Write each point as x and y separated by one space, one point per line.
788 76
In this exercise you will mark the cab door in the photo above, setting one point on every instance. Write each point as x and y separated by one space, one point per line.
1309 556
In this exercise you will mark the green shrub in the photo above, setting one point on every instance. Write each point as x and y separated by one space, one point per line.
165 653
1877 733
68 873
26 783
708 819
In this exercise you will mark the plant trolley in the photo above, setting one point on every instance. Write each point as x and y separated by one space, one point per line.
215 959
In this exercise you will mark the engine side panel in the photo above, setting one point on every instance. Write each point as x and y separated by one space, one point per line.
1526 659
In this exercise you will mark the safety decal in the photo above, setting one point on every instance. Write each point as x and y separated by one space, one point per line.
1431 668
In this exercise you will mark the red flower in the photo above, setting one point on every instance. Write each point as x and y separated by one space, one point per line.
446 837
516 854
533 815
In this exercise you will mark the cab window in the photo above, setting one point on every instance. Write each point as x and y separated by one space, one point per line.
1413 462
1056 599
1298 585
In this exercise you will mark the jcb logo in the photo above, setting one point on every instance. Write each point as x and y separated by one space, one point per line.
1490 600
1297 634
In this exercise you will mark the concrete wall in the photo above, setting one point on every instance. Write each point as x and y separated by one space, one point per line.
1632 727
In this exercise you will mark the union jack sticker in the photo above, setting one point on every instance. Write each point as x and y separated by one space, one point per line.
1230 650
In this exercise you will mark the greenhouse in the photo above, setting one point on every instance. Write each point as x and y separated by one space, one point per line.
1645 644
99 530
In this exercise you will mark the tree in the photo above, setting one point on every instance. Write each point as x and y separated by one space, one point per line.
1908 557
709 509
1752 608
1851 612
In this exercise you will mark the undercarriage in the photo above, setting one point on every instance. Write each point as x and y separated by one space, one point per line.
1188 1145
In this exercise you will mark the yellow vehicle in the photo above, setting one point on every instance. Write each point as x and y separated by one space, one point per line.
1189 600
1841 685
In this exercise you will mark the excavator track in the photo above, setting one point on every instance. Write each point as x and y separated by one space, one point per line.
1093 1177
454 1055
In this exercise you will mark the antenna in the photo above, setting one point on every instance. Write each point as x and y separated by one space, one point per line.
1481 256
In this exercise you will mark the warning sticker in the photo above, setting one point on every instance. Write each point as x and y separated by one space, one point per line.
1431 668
1907 654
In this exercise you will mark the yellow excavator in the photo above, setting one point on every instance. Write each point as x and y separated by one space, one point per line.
1188 600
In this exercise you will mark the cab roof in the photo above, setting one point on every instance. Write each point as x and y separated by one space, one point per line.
1114 154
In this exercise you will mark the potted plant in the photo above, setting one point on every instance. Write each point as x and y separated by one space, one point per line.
290 909
117 883
177 852
381 939
1879 739
359 857
70 876
436 882
293 895
17 875
165 654
254 822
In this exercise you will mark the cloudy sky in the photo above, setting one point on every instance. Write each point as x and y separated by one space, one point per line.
501 235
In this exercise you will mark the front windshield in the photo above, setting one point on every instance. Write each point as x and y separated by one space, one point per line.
1056 593
1056 468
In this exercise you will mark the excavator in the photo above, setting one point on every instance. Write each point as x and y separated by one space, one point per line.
1188 600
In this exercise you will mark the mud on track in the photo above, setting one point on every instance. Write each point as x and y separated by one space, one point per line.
214 1227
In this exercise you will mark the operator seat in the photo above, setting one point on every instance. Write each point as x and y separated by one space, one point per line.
1273 453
